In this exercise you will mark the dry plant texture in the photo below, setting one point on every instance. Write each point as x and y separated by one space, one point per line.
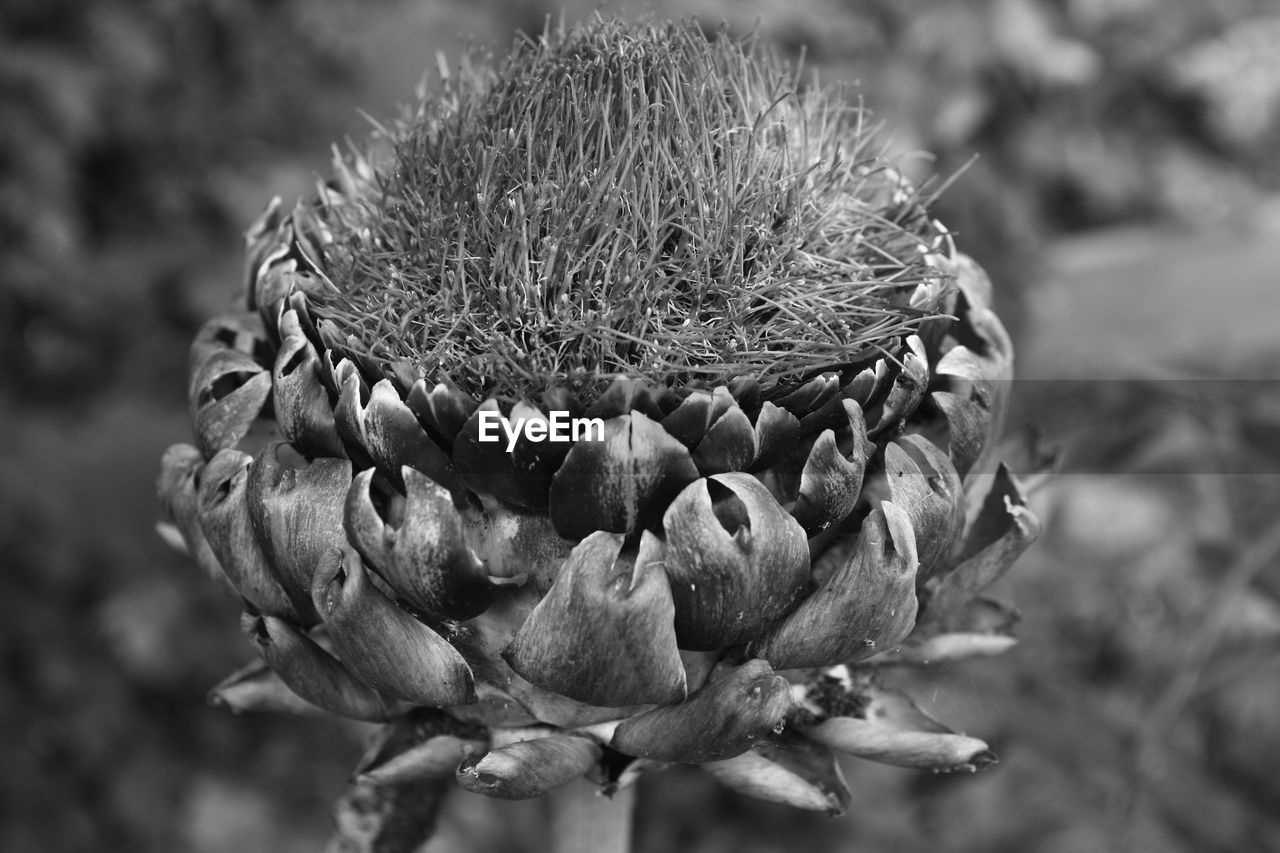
611 201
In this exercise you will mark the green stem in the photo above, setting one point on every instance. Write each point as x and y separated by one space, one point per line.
582 821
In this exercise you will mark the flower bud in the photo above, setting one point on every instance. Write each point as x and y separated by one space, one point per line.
866 606
736 562
603 634
716 722
529 768
310 671
620 484
420 549
383 645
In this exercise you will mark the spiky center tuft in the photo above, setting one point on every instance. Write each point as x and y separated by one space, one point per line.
621 200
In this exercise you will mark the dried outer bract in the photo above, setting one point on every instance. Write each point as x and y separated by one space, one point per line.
980 367
225 518
866 606
788 769
737 560
256 688
945 648
891 729
420 745
421 548
382 644
227 392
621 484
529 768
906 392
689 421
729 445
442 410
239 331
296 510
1003 530
310 671
923 482
831 481
303 408
720 720
388 433
178 489
969 428
261 240
603 634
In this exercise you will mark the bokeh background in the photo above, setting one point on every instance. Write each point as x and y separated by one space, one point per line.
1124 198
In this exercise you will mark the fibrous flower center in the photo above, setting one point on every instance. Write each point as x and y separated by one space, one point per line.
618 201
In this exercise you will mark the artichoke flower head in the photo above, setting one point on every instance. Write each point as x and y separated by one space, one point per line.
618 406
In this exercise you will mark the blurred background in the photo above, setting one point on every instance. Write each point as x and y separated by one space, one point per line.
1124 200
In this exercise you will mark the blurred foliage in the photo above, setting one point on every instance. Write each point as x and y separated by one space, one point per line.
124 124
137 139
1157 606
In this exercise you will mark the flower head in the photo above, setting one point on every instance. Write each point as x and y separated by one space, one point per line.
795 377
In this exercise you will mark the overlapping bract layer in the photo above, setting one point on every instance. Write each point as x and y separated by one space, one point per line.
637 595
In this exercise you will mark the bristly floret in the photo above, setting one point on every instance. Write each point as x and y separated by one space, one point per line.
623 200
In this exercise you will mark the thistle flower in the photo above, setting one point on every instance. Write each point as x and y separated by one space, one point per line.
794 380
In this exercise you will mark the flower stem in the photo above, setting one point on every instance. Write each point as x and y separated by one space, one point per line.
582 821
390 819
